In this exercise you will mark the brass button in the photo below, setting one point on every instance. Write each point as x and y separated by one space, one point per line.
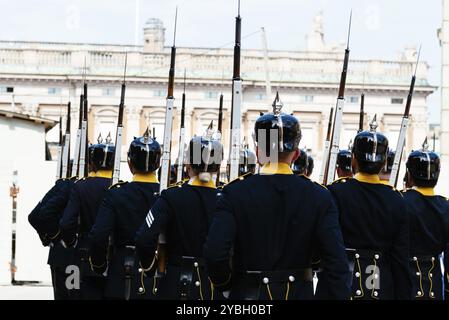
415 259
140 289
291 278
375 293
358 292
357 256
376 256
418 273
195 264
265 280
197 283
357 274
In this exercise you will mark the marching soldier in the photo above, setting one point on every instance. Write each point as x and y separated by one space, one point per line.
45 220
247 162
386 171
429 224
374 223
120 215
344 168
81 211
272 222
184 213
310 166
301 164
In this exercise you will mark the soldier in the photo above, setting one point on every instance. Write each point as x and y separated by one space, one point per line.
301 164
344 168
121 213
81 211
273 222
310 166
429 224
386 171
247 162
374 223
184 212
45 220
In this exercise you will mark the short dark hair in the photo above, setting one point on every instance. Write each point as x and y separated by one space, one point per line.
369 167
424 183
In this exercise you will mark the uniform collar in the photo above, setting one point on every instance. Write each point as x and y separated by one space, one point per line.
424 191
385 182
196 182
92 174
276 168
367 178
104 174
145 177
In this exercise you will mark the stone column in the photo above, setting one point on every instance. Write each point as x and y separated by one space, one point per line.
132 126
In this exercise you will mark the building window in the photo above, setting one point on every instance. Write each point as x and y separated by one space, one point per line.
159 93
307 98
353 99
108 92
261 96
397 100
211 95
54 90
6 89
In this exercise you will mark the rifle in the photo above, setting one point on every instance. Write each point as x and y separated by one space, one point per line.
165 167
83 167
59 150
66 147
220 124
404 125
236 112
362 112
182 135
119 135
335 140
326 147
78 140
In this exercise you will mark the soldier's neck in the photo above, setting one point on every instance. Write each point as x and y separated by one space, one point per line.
367 178
276 168
104 174
424 191
195 181
149 177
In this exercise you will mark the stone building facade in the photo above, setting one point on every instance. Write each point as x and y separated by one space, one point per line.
37 78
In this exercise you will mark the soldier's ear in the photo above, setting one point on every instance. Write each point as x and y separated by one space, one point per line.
296 155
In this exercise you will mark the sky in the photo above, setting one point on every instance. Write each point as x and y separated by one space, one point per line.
381 28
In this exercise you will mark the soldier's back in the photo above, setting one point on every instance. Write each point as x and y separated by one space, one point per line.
375 225
429 225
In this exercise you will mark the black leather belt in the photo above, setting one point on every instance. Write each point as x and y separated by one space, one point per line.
184 261
293 275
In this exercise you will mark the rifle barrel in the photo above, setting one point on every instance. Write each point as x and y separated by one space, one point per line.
362 112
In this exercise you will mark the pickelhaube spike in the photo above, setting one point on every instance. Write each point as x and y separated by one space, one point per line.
146 136
109 139
210 130
100 139
373 125
425 146
277 105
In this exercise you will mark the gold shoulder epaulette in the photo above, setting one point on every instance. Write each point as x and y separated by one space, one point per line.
316 182
241 178
178 184
341 180
81 179
118 184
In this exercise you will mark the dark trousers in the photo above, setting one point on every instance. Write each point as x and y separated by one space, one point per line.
58 278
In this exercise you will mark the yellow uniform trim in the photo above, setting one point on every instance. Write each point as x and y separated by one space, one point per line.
91 174
104 174
424 191
146 177
385 182
198 183
367 178
276 168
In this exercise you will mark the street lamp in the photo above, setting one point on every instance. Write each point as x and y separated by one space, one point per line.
13 192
